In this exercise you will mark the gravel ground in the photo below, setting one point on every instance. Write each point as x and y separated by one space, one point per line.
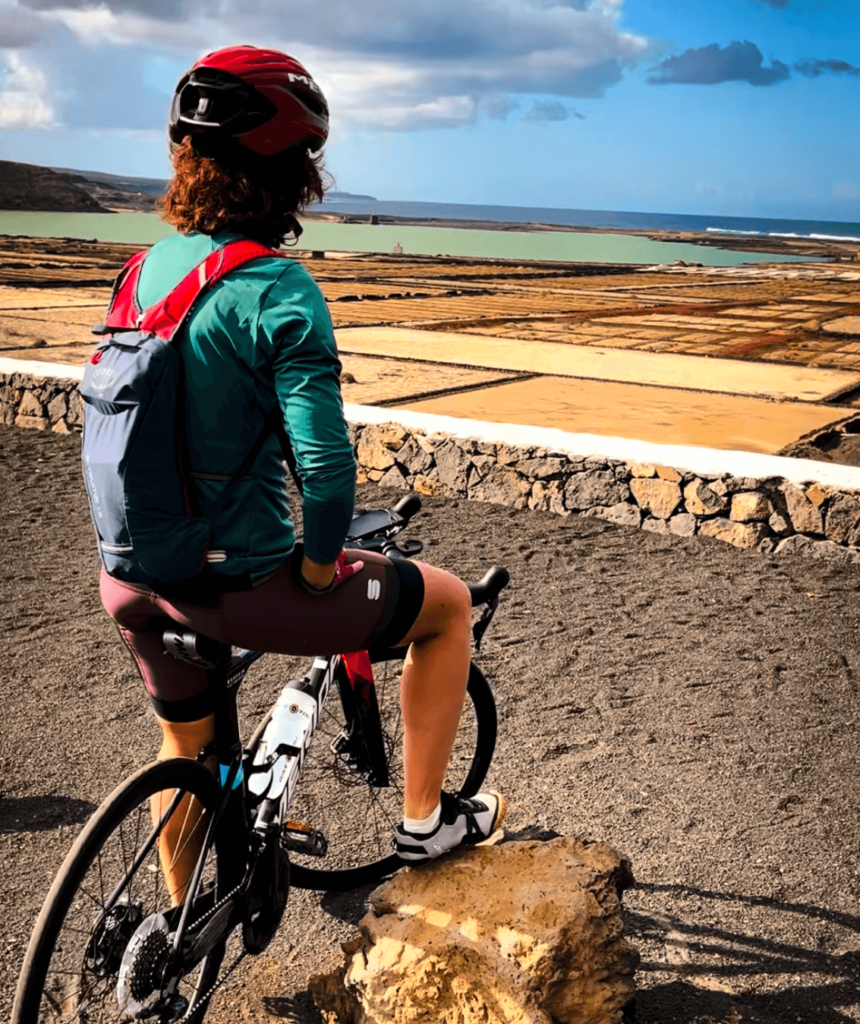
693 705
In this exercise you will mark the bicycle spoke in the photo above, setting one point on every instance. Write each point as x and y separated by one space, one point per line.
110 899
334 794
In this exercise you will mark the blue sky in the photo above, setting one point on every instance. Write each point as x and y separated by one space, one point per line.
732 107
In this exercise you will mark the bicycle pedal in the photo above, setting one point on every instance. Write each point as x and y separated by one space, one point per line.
300 837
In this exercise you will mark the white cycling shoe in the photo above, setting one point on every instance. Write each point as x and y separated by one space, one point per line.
463 822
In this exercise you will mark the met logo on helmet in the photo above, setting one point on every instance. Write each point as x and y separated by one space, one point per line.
304 80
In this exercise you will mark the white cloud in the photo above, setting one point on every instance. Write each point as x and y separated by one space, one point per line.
387 64
24 94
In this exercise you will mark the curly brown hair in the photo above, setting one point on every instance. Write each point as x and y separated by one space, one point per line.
230 188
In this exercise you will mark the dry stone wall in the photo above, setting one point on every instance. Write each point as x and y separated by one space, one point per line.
769 514
42 403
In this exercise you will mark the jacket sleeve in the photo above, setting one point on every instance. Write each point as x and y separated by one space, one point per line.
306 370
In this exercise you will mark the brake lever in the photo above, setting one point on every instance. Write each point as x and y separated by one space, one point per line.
481 626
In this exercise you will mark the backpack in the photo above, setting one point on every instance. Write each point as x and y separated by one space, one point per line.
135 454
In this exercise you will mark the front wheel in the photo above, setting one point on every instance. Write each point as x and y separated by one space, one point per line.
337 794
111 889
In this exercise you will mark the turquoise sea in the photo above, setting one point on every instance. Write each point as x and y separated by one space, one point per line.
572 246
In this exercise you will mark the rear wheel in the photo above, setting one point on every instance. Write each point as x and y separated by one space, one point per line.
111 889
338 797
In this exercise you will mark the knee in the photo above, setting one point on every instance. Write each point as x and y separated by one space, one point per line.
462 602
447 603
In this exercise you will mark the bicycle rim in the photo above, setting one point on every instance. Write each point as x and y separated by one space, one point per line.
358 819
109 884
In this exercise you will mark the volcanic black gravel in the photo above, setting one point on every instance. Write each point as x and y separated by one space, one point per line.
693 705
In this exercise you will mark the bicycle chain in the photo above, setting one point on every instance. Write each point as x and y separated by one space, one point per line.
208 995
195 925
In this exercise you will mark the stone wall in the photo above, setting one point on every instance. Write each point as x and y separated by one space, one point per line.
41 402
767 513
770 514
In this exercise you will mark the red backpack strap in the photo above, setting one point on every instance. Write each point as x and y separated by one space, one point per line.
123 311
166 317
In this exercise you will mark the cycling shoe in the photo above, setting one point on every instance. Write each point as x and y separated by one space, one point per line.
463 822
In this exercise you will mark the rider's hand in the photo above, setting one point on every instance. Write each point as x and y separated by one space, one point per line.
322 579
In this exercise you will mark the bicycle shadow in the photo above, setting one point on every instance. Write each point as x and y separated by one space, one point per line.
41 813
728 974
349 906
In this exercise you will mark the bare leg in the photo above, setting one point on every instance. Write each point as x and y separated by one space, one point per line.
182 839
433 687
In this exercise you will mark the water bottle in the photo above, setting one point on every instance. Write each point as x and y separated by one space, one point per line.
294 719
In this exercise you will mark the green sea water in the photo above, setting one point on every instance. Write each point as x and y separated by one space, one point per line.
569 246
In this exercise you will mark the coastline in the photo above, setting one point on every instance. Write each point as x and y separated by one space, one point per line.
822 249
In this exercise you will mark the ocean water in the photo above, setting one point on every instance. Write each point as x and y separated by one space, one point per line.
568 246
626 220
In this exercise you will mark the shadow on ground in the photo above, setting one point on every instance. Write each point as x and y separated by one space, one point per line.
719 974
41 813
298 1009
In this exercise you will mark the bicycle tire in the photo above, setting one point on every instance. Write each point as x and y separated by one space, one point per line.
70 929
337 803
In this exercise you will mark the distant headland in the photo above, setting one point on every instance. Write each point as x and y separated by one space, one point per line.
69 190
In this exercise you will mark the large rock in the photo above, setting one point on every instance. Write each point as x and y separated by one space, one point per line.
426 485
741 535
750 506
542 469
76 409
624 513
394 478
413 458
501 486
826 549
843 520
522 933
702 499
377 446
843 325
684 524
548 497
30 412
657 496
58 407
594 487
805 517
452 467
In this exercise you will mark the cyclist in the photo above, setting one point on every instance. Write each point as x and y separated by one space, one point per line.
247 127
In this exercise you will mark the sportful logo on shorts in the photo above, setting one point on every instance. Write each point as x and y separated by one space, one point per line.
374 589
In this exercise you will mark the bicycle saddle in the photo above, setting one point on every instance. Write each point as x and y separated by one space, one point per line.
186 645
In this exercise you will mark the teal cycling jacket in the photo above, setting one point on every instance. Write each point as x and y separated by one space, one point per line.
261 338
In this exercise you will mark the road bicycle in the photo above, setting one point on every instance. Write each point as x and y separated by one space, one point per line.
312 800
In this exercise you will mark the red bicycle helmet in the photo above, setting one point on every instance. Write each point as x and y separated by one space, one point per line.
263 99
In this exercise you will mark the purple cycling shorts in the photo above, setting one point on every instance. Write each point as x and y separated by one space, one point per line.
376 607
